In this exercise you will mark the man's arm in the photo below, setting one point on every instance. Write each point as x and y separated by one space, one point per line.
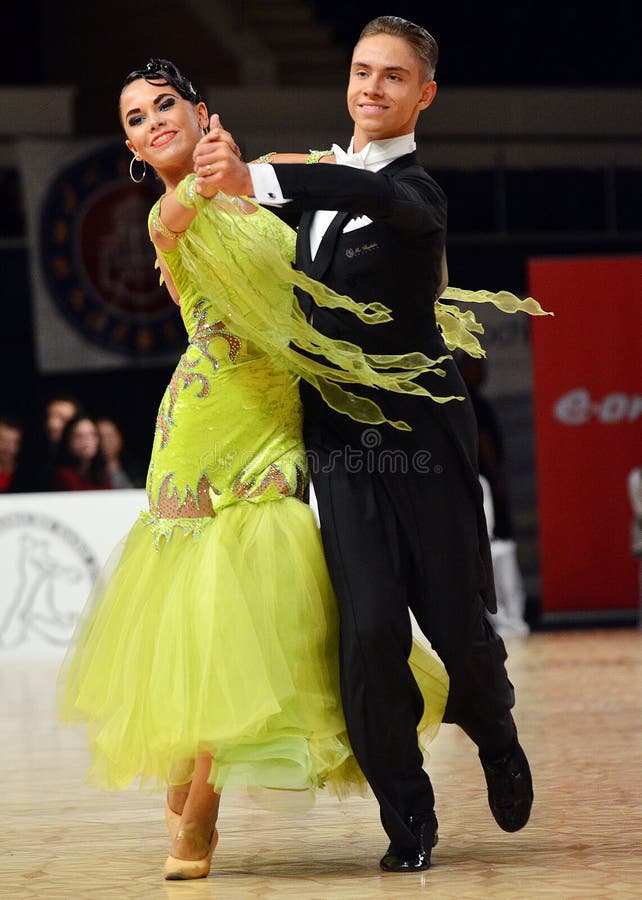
407 202
412 202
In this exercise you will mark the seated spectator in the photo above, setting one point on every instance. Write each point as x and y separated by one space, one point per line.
111 440
10 443
60 409
41 438
80 462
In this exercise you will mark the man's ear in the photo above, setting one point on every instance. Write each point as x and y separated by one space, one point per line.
428 92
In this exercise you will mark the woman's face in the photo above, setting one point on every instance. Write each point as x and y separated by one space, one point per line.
111 438
161 127
84 440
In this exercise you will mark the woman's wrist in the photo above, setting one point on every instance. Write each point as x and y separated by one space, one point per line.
185 192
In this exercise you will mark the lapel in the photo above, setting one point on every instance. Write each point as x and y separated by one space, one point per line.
303 255
316 267
324 254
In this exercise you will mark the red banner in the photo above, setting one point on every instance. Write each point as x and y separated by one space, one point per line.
587 371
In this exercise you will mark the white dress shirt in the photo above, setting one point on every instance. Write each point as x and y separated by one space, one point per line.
372 158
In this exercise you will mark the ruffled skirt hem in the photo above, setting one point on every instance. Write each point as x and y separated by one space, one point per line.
220 641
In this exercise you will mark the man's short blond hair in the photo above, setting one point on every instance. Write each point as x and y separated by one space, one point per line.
421 41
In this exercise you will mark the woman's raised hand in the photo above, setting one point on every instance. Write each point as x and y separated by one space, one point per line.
218 164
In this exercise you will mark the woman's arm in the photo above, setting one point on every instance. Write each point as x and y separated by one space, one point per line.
325 156
172 220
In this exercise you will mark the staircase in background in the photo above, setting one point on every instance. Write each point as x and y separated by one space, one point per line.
96 58
304 50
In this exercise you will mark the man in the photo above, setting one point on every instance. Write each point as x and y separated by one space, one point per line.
401 512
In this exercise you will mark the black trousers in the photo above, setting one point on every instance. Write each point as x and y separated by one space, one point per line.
396 541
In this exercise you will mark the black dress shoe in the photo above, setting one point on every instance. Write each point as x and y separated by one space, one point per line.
510 787
424 829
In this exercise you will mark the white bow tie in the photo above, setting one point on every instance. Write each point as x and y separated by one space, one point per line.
348 159
376 154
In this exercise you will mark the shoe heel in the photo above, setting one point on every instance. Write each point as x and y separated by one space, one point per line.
184 869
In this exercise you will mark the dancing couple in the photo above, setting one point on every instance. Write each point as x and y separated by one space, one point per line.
227 642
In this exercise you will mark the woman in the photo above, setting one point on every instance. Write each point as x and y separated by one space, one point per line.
112 441
80 462
207 655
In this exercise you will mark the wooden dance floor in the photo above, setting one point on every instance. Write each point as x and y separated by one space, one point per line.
579 711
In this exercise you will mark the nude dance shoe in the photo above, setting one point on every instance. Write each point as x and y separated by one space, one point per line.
183 869
172 820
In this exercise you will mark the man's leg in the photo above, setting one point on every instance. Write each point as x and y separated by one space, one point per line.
368 564
449 610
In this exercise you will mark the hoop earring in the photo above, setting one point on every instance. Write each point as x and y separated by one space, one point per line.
131 169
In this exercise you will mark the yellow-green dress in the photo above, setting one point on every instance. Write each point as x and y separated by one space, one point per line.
213 627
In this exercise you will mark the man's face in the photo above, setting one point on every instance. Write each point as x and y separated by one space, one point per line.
58 413
387 89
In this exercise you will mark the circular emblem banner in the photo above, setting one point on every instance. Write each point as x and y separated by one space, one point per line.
98 261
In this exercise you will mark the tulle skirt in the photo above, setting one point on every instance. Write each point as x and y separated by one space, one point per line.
221 640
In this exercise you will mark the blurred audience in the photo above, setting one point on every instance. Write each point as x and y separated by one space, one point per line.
37 459
80 463
65 448
11 432
111 439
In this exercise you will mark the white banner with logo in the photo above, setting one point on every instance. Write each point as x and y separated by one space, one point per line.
52 547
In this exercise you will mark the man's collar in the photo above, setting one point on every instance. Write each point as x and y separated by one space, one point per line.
376 154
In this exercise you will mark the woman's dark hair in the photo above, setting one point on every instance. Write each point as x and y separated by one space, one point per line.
64 456
162 71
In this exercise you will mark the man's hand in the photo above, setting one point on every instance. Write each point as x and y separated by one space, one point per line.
218 164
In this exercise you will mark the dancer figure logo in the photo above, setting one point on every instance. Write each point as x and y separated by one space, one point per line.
51 562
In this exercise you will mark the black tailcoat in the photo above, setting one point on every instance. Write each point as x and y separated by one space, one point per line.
401 512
